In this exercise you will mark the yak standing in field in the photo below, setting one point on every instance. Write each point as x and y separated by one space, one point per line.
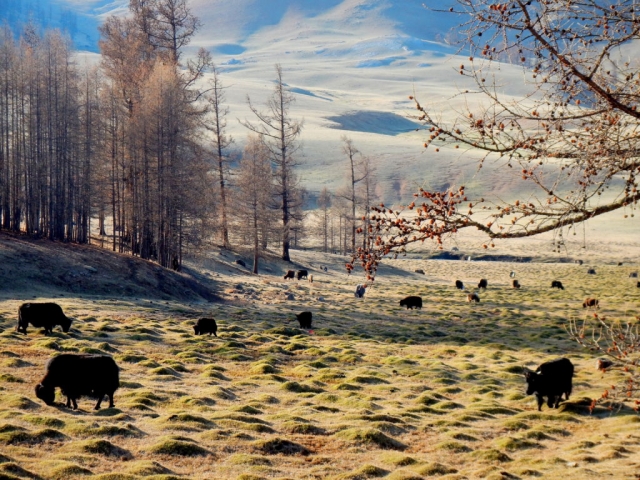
552 380
46 315
290 275
516 284
304 318
591 303
79 375
473 297
459 285
206 325
557 284
483 284
411 302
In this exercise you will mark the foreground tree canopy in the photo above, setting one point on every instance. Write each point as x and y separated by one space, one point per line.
574 134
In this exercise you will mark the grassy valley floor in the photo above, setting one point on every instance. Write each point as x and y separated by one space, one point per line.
374 391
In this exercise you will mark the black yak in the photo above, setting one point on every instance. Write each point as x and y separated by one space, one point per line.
515 284
206 325
302 274
46 315
360 290
591 271
557 284
459 285
551 380
483 283
411 302
290 274
304 318
77 375
473 297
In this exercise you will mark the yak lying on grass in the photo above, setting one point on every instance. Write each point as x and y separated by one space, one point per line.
206 325
304 319
411 302
557 284
46 315
552 380
78 375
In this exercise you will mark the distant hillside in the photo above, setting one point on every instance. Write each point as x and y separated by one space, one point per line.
40 268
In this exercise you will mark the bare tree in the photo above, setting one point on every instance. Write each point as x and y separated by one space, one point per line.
254 192
221 142
167 24
573 134
349 149
324 204
367 194
280 133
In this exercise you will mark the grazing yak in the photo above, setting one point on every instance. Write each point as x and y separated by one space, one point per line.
473 297
633 275
411 302
591 271
459 285
551 380
591 302
206 325
515 284
360 290
304 319
77 375
302 274
46 315
603 363
290 274
557 284
483 283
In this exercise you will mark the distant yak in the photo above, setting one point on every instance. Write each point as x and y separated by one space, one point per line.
515 283
206 325
459 285
483 283
411 302
304 319
557 284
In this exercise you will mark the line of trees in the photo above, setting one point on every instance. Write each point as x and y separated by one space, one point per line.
139 145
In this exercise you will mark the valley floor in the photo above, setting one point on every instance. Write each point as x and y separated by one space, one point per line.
373 391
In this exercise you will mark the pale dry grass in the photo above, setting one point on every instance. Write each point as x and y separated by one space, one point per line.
375 392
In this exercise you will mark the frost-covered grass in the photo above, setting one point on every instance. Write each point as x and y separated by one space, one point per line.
374 392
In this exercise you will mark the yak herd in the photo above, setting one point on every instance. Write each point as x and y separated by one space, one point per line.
98 375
